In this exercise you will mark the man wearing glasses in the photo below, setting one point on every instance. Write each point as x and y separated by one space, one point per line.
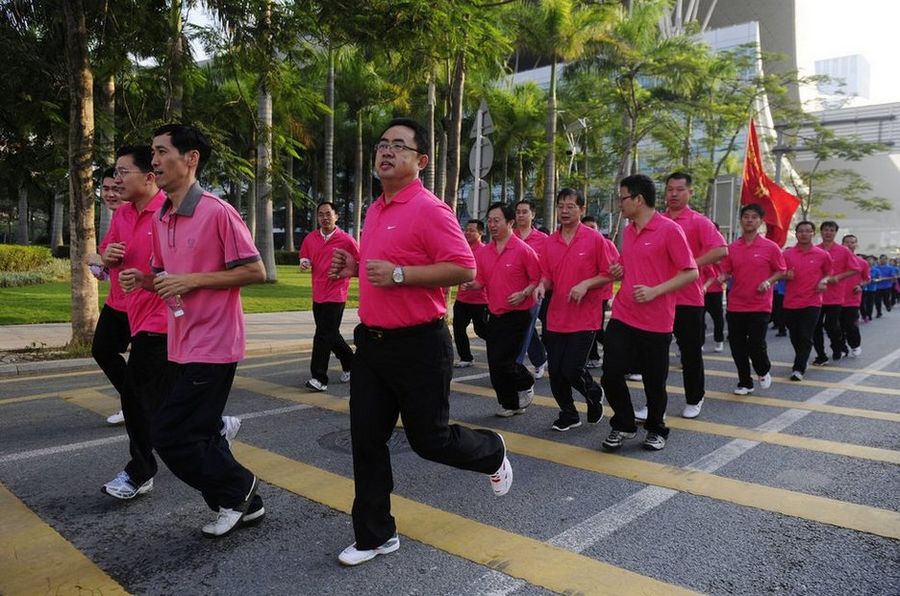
404 356
656 261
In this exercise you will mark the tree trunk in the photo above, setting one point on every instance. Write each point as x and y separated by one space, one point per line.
520 179
289 206
504 186
441 174
251 196
175 101
265 238
550 160
22 233
358 177
455 133
429 122
329 130
56 231
107 142
81 143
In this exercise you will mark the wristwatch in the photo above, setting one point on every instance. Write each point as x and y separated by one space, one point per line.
397 275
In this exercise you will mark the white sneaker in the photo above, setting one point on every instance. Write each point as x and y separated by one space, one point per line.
526 397
856 352
352 556
230 427
540 370
796 375
635 377
692 410
462 364
502 479
641 414
593 364
121 487
316 385
719 347
345 376
117 418
228 519
765 381
504 413
739 391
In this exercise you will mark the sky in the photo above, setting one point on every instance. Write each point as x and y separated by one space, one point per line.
834 28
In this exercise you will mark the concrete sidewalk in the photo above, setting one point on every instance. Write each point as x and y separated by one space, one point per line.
266 333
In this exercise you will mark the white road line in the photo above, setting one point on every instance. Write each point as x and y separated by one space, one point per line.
605 523
471 377
121 438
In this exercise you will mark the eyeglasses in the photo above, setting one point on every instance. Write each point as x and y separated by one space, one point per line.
395 147
122 172
626 197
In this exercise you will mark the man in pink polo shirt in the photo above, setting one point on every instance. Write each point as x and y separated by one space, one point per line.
844 265
808 275
533 237
708 247
606 293
404 358
207 254
329 295
575 265
112 335
853 287
754 263
470 305
147 364
509 270
656 261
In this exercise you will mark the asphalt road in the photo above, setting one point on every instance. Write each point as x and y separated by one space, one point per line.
792 490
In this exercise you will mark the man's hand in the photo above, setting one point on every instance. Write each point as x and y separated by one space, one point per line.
789 275
516 298
114 253
539 292
342 265
305 264
645 293
578 292
764 287
129 279
172 285
616 270
380 273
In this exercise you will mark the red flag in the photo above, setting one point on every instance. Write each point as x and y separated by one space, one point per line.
779 204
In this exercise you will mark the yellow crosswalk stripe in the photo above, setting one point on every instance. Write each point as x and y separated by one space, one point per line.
536 562
840 369
807 382
36 559
842 514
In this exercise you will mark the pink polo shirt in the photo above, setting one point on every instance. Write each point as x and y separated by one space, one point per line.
146 310
205 234
809 268
650 257
566 265
841 260
116 298
750 265
712 272
702 237
606 292
860 277
506 272
478 296
536 239
415 228
320 251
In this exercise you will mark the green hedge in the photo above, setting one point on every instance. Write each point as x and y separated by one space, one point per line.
17 279
286 257
17 258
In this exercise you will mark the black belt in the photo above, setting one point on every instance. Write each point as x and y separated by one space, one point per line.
379 333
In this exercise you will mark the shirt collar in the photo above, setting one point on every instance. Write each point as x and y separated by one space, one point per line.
406 193
327 236
188 205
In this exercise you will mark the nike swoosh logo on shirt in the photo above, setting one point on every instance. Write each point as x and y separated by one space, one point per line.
391 227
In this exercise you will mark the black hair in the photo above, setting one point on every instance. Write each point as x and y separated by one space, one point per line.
108 173
526 202
639 184
830 224
849 236
681 176
187 138
478 223
141 155
805 222
509 213
570 192
420 134
329 203
755 208
588 219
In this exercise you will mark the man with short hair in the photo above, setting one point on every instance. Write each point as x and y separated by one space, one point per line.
509 270
850 308
471 304
207 254
404 357
112 334
329 295
656 261
708 248
754 263
536 239
575 265
808 273
606 293
844 265
884 277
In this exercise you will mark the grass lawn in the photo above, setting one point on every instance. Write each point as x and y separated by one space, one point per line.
51 303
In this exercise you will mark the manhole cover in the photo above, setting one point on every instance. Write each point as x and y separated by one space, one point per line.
339 441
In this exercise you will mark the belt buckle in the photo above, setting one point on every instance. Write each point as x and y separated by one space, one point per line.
377 333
